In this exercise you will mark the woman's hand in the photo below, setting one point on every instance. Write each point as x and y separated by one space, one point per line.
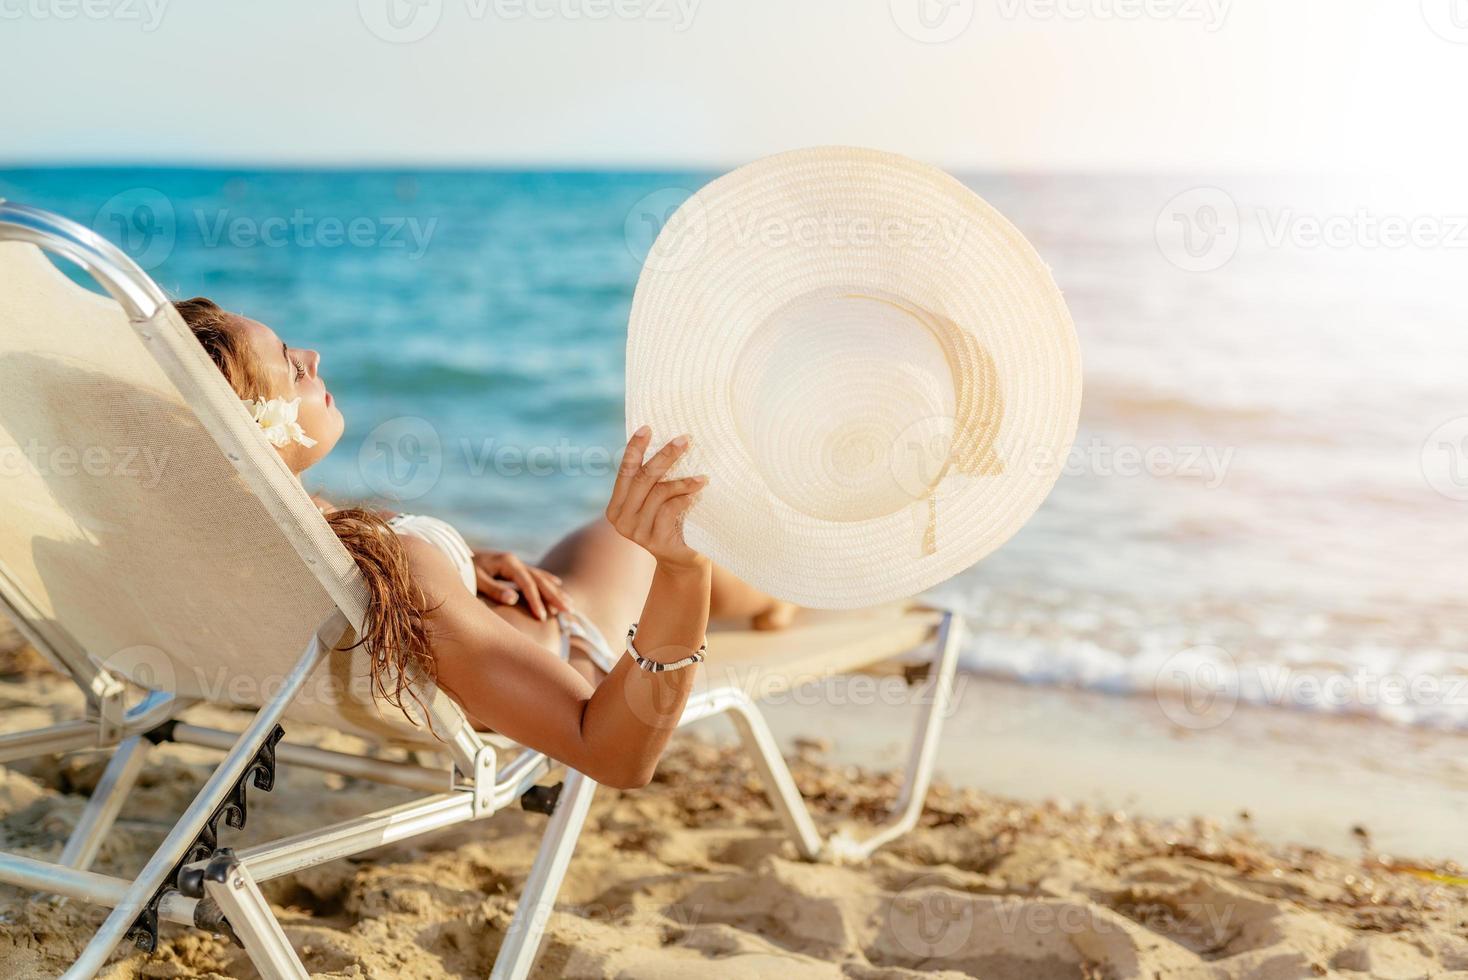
504 578
648 510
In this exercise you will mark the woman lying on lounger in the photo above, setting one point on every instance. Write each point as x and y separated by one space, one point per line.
485 625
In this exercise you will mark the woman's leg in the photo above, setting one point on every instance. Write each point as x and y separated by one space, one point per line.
734 598
608 577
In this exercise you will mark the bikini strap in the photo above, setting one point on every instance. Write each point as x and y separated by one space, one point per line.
576 626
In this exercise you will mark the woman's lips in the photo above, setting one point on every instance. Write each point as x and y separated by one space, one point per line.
329 399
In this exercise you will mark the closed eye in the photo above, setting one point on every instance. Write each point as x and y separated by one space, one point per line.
297 368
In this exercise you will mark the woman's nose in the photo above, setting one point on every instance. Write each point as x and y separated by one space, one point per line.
313 362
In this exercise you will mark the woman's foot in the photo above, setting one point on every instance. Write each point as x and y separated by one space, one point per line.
778 616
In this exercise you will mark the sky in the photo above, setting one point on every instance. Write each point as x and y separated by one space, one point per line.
1026 85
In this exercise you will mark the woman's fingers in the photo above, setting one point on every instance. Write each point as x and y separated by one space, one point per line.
551 590
644 507
667 530
496 589
658 499
520 575
627 469
652 471
543 591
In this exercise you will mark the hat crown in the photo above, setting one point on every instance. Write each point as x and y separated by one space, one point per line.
847 402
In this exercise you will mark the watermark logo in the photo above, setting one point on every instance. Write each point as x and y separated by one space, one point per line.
402 458
143 464
669 229
930 920
146 666
148 14
921 454
1210 13
1094 457
142 222
1199 229
1445 459
666 230
1198 688
301 230
1448 19
407 21
400 21
1362 229
932 21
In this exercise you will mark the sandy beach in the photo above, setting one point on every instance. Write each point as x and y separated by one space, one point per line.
692 875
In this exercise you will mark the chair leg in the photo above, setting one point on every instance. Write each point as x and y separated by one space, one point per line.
780 786
924 752
537 901
106 801
200 812
761 744
229 883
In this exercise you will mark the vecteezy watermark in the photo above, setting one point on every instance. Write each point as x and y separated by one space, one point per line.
665 230
1361 229
940 234
1445 459
933 921
407 21
400 21
561 458
669 229
401 459
155 669
148 14
1200 230
1200 687
1094 457
932 21
658 707
145 464
921 455
144 222
1448 19
301 230
1211 14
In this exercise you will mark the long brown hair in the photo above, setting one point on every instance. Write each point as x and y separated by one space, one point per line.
395 633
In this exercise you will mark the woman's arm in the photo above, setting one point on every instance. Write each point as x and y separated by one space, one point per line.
615 732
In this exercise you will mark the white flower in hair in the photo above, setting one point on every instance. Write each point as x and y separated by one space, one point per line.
277 419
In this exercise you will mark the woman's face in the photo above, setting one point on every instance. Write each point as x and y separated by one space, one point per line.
290 373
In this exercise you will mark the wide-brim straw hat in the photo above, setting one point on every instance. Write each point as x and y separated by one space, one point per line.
878 372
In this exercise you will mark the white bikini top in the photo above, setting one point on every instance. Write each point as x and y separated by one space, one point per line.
445 537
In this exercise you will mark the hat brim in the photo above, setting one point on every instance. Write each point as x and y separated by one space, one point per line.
851 223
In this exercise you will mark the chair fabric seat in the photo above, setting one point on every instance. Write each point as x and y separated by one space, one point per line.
818 644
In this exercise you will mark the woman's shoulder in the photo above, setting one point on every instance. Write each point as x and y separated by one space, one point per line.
444 537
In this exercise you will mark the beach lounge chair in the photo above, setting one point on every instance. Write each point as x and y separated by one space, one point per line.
157 550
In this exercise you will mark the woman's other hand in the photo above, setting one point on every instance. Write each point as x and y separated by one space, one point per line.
648 510
504 578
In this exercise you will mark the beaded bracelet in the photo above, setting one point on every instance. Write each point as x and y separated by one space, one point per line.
658 667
